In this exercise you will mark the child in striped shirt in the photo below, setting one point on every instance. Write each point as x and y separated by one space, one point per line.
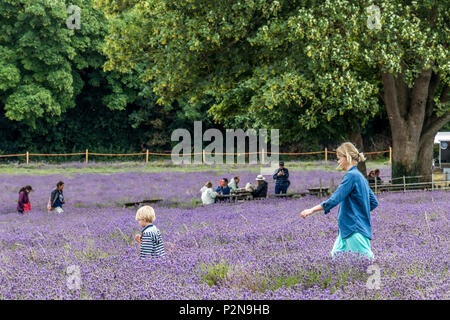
150 237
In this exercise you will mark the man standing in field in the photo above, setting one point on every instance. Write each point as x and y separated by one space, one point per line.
281 176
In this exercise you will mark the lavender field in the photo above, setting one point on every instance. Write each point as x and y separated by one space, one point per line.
252 250
90 190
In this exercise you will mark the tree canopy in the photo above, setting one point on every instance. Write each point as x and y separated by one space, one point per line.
55 95
321 71
267 58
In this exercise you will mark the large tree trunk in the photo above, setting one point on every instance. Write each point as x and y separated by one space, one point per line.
413 122
431 126
425 158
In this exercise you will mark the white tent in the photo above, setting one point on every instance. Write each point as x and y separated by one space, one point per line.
442 136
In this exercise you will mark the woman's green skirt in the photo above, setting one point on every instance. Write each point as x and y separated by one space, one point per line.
355 243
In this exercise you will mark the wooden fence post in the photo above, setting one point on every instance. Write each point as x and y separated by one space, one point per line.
404 184
28 157
390 154
146 156
87 156
376 185
326 154
262 156
432 181
204 156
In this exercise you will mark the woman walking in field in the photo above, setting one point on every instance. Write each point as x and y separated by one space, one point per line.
356 201
23 204
56 199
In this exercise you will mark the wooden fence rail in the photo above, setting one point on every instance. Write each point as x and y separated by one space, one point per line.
147 153
431 183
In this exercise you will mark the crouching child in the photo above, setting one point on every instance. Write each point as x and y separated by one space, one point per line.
150 239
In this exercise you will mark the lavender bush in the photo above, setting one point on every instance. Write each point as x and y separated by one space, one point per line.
252 250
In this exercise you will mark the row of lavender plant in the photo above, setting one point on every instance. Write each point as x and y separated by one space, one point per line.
251 250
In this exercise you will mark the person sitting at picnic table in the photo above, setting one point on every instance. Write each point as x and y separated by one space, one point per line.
208 194
234 185
281 176
371 177
377 175
223 189
261 189
23 204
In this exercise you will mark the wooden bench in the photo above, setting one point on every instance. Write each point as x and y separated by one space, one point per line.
135 204
320 192
289 195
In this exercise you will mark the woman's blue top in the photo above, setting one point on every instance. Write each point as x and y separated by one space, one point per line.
357 200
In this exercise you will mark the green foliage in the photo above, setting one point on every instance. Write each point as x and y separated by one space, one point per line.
286 64
42 60
251 57
309 68
35 59
321 277
446 127
214 274
55 96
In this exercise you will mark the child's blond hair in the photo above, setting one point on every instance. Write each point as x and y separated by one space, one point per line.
146 213
349 151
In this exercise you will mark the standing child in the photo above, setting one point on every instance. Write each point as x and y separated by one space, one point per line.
150 240
23 204
356 199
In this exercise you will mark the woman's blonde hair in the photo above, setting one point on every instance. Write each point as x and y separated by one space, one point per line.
146 213
349 151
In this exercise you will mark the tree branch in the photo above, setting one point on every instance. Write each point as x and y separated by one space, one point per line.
434 83
419 97
445 96
382 98
390 100
402 94
434 126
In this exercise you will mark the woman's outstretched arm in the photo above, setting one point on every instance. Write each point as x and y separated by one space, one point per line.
309 211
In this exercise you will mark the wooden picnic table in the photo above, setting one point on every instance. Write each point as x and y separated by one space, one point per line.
235 196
